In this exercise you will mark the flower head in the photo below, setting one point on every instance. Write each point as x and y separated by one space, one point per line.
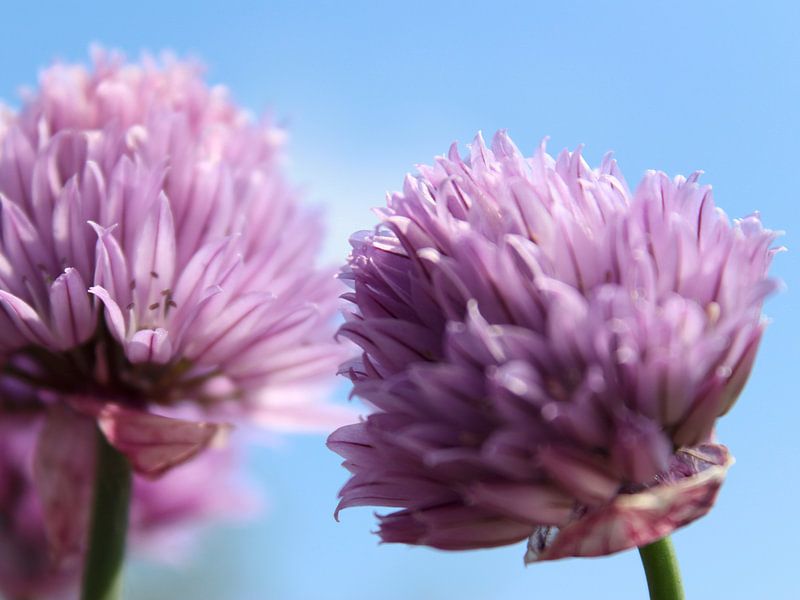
547 353
156 271
169 511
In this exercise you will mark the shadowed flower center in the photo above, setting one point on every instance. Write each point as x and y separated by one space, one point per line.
98 368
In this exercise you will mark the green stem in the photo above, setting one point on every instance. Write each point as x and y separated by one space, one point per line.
102 575
662 571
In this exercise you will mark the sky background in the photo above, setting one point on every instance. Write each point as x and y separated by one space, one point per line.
368 90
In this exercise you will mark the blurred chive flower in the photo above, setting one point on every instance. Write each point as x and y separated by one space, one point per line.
165 515
156 272
547 353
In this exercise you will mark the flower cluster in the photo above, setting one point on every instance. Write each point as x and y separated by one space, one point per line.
547 352
156 271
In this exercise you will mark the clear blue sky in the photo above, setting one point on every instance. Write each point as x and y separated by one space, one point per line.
368 90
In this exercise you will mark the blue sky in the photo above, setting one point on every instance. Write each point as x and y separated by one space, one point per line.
369 89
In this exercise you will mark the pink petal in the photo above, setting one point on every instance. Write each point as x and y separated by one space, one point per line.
579 474
114 319
207 267
17 168
63 157
93 191
72 237
533 503
26 320
451 527
154 256
72 317
149 346
23 246
287 408
111 268
64 474
227 331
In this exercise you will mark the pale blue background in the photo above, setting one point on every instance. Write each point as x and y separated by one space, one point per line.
369 90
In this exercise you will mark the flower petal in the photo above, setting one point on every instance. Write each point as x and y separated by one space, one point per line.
154 256
114 319
26 320
111 268
71 312
537 504
149 346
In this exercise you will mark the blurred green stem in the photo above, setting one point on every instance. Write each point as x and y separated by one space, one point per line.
102 575
662 571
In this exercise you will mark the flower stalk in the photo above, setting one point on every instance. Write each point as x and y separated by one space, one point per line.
662 570
102 576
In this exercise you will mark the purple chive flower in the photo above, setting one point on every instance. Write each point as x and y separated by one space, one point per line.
156 271
164 514
547 353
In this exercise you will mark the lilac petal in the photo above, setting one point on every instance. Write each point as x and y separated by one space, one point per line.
392 492
640 449
16 171
287 366
632 520
226 333
26 320
278 333
114 319
111 268
72 237
532 503
185 318
61 158
451 528
353 443
149 346
153 264
580 474
24 249
207 267
396 342
213 192
63 473
134 184
72 317
92 191
740 371
457 391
